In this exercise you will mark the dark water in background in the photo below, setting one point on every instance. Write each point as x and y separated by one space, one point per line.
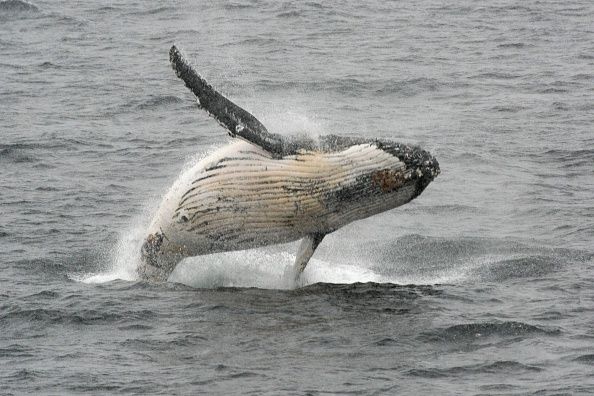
483 285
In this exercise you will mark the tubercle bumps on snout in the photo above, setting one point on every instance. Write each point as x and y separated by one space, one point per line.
429 168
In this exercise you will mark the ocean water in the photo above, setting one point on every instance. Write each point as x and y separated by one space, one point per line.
482 285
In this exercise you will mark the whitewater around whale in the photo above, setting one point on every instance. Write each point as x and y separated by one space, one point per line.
266 188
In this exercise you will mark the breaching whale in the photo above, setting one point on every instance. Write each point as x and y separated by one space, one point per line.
265 188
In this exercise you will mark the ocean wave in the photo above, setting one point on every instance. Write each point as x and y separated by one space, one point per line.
354 85
17 153
583 76
496 76
184 340
15 7
85 317
508 108
42 265
574 11
568 158
552 90
469 332
586 359
152 11
16 351
560 106
24 375
49 65
252 41
368 289
313 4
158 101
42 295
440 209
16 156
410 87
522 267
512 45
108 8
463 259
238 6
290 14
499 367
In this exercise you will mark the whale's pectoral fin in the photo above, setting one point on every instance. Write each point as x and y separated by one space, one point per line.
306 250
238 121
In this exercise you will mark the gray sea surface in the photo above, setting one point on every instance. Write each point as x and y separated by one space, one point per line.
482 285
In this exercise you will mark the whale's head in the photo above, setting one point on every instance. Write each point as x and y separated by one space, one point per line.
159 257
389 175
416 168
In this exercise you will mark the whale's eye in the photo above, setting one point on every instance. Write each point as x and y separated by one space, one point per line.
184 218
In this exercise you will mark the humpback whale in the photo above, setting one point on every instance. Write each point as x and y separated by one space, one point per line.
265 188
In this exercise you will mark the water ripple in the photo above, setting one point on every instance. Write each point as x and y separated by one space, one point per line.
469 332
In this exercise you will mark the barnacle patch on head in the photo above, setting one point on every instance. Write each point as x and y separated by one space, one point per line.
388 180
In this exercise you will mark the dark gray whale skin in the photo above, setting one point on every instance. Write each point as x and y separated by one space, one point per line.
368 176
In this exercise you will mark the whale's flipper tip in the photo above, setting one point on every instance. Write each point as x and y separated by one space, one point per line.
238 121
176 57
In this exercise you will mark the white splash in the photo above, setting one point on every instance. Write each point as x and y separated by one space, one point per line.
124 258
266 269
293 121
272 270
263 269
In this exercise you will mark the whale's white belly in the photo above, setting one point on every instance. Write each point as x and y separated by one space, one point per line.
240 197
